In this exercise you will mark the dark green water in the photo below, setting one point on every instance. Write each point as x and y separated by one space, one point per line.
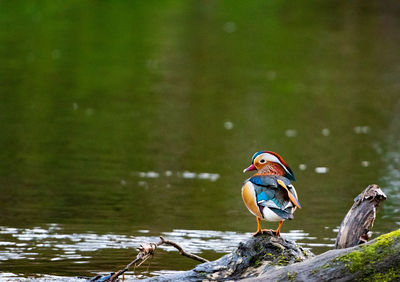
122 121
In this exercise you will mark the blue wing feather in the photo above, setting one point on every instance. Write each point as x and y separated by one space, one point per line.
262 196
264 180
267 190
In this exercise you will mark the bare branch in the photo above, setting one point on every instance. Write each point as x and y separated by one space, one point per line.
147 250
181 251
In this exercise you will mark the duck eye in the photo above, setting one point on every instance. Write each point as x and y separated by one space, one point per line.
262 161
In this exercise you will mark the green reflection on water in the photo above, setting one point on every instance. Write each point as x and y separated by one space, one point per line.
92 93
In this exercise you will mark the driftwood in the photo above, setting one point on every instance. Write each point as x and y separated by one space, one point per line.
355 226
270 258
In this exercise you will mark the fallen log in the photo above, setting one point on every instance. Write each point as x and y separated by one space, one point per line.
377 260
268 258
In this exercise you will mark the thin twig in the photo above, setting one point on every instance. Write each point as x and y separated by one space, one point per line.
181 251
147 250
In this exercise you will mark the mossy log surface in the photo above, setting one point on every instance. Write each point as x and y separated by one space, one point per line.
268 258
378 260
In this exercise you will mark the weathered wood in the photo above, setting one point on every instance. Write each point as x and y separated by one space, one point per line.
357 222
250 259
377 260
268 258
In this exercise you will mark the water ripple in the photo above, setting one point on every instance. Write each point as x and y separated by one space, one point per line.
391 185
28 243
185 174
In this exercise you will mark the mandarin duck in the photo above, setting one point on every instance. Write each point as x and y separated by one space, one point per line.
268 194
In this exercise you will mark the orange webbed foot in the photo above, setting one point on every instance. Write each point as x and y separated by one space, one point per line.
263 231
258 232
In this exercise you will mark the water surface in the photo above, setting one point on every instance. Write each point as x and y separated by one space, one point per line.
121 122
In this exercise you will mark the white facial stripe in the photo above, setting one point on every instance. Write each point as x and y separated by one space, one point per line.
272 158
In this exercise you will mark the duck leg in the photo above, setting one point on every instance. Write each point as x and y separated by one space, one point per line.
278 230
260 230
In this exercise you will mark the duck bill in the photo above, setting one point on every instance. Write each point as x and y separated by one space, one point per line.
251 167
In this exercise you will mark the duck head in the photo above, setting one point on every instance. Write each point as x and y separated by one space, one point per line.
267 158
